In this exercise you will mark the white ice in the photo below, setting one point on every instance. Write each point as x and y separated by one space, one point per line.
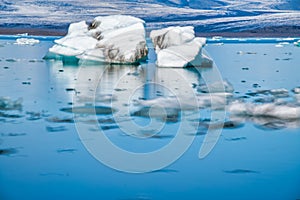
284 111
26 41
296 90
178 47
111 39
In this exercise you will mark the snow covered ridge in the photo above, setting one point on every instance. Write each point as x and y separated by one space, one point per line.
178 47
122 39
110 39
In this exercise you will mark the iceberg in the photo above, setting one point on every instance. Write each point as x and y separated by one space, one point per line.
178 47
109 39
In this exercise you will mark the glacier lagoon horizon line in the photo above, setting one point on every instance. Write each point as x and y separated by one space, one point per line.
209 40
123 39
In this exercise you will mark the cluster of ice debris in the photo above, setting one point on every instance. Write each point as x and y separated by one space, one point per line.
281 106
277 108
273 109
122 39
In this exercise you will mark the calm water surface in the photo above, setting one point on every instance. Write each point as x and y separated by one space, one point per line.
42 156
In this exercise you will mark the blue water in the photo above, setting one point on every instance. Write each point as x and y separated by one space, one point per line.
48 159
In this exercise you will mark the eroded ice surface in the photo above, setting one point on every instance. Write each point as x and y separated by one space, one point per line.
178 47
110 39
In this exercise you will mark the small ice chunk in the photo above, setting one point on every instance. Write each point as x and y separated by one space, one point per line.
98 110
280 93
216 87
296 90
26 41
22 34
297 43
56 128
217 37
178 47
282 44
6 103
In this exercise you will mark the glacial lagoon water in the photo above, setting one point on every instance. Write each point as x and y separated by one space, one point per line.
43 154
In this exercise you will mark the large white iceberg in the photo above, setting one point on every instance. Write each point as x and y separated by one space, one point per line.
178 47
111 39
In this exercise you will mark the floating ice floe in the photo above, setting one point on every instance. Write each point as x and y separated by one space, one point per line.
280 111
89 110
26 41
276 93
280 93
6 103
111 39
296 90
216 87
297 43
178 47
269 123
185 103
282 44
168 108
169 104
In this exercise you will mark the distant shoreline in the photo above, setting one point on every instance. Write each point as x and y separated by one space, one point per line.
32 31
282 31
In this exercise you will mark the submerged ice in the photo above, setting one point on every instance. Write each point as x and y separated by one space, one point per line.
6 103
